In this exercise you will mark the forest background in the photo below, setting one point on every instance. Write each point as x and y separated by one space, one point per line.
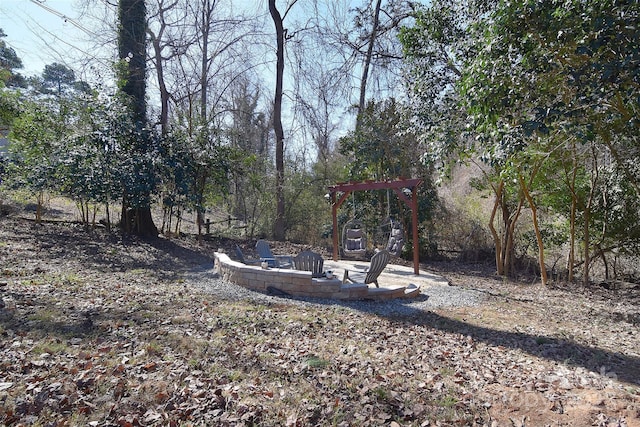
521 118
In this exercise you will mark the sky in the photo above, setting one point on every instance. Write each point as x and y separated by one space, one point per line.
46 31
41 31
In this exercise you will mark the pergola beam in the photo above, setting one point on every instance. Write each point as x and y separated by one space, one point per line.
398 186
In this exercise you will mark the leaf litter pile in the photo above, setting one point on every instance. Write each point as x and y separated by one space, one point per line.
101 330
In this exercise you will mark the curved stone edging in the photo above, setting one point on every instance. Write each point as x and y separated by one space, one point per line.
300 283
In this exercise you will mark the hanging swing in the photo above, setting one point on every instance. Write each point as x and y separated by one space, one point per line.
393 232
395 243
354 239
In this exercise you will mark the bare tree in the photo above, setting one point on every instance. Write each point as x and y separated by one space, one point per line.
367 59
165 47
278 21
249 136
373 42
320 88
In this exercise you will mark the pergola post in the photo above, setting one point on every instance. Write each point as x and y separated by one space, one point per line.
334 213
414 226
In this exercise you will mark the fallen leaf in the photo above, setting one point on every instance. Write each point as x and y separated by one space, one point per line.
151 366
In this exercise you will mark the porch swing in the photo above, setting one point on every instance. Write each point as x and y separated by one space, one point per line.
392 231
395 233
354 238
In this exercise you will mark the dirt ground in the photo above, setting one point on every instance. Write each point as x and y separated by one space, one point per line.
98 328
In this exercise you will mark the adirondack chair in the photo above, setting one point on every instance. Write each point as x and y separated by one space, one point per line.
378 262
243 260
309 261
277 261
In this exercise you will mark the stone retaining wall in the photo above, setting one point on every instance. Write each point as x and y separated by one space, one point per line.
292 282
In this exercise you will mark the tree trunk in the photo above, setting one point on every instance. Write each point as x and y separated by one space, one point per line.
204 60
509 242
132 50
367 63
586 242
504 240
39 206
108 219
279 227
571 261
140 222
587 217
162 86
536 228
496 237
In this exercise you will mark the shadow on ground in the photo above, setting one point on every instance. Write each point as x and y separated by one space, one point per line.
617 365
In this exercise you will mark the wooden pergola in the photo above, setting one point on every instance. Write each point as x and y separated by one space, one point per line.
399 186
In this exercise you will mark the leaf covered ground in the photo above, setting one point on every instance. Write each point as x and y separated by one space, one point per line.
101 330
